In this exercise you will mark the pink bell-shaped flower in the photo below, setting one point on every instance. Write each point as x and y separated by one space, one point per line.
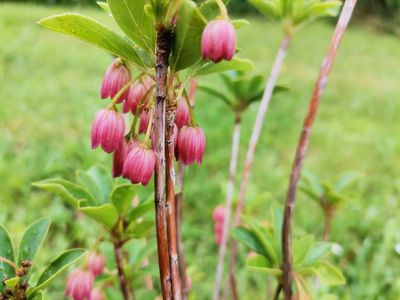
191 145
96 294
96 263
115 78
139 164
79 285
218 41
108 130
182 113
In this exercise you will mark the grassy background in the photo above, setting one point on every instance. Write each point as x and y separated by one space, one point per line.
49 92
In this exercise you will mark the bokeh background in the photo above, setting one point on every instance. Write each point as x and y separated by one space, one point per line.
49 92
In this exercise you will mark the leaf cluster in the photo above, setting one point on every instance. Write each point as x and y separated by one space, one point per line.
16 268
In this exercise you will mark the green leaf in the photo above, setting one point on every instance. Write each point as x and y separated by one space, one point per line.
12 282
240 23
345 181
248 238
265 237
140 230
212 91
131 17
70 192
104 6
98 181
122 196
317 251
314 182
92 32
262 264
106 214
301 247
329 274
140 210
6 251
267 7
32 240
237 64
325 8
56 267
38 296
186 49
209 9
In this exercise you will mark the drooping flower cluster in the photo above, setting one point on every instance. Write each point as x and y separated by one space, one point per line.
133 157
218 217
81 281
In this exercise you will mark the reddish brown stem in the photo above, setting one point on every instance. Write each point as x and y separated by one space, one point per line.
328 216
118 252
255 135
171 207
164 39
179 214
320 84
228 207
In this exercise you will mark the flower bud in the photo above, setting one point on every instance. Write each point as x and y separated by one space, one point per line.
108 130
139 165
191 145
135 96
118 160
96 263
115 78
144 121
219 214
182 113
219 217
218 41
80 284
96 294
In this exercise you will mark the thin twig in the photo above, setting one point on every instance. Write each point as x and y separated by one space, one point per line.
255 135
171 210
164 39
10 263
320 84
179 214
118 252
278 291
228 207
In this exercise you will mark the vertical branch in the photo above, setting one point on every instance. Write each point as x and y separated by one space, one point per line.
320 84
179 211
171 207
164 38
121 273
228 207
255 135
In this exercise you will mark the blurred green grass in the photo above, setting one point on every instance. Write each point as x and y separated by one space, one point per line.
49 92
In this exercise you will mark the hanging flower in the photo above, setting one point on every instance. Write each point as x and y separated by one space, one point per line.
108 130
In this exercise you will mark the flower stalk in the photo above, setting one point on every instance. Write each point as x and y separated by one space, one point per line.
287 267
255 135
